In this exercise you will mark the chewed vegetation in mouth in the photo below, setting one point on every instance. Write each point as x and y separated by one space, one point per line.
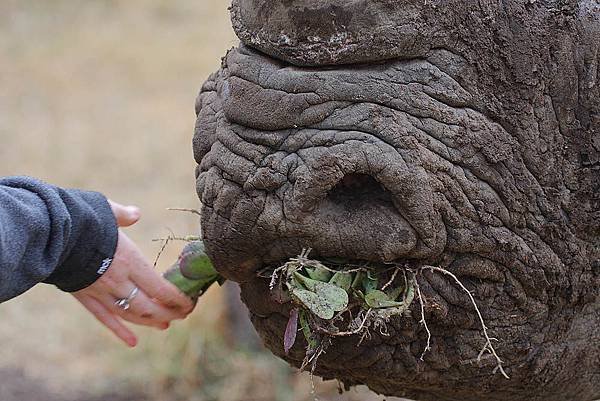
333 297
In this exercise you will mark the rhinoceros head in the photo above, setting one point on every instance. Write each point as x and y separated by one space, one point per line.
459 134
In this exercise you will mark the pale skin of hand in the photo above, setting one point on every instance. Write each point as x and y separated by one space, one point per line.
157 303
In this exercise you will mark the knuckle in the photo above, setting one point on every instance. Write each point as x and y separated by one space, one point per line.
144 311
168 298
105 281
112 280
159 291
173 305
166 291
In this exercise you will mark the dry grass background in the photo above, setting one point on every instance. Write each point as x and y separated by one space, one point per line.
99 95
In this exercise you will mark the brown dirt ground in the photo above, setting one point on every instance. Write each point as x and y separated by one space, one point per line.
15 385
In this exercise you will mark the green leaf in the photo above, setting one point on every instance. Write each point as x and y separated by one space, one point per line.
336 296
315 303
305 282
193 272
359 294
379 299
312 342
394 293
195 264
191 288
342 280
323 299
369 283
318 273
358 278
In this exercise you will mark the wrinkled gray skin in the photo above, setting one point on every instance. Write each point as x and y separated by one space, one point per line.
463 134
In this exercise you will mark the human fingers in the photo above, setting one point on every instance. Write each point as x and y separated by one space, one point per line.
144 276
129 269
109 302
161 290
143 310
108 319
125 215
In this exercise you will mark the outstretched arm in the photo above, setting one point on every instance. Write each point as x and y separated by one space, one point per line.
70 238
49 234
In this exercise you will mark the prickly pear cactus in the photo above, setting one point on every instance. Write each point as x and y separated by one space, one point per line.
193 273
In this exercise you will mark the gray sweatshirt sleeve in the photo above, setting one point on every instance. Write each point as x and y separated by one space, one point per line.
52 235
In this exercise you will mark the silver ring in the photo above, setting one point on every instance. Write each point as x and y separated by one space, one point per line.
124 303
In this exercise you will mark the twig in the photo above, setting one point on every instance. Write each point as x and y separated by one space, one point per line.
187 238
422 321
274 277
365 335
304 261
164 245
386 285
488 345
171 237
183 209
313 367
347 333
162 248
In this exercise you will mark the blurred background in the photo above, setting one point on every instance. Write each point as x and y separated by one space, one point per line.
100 95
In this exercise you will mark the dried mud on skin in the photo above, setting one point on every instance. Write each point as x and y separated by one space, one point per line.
458 134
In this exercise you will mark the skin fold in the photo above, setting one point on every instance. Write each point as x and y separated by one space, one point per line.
464 135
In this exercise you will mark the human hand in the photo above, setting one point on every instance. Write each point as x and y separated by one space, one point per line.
157 303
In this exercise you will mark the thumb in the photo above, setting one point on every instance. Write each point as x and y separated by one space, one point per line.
125 215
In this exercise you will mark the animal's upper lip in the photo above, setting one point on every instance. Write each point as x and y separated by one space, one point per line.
318 207
395 218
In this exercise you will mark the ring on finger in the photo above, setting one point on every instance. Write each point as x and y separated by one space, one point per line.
125 303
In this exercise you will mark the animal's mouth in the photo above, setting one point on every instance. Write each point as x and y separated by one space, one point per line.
331 298
338 264
406 292
440 284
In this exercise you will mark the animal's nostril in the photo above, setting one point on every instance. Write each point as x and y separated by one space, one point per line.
358 189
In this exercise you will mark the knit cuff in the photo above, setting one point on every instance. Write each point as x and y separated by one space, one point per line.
92 244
